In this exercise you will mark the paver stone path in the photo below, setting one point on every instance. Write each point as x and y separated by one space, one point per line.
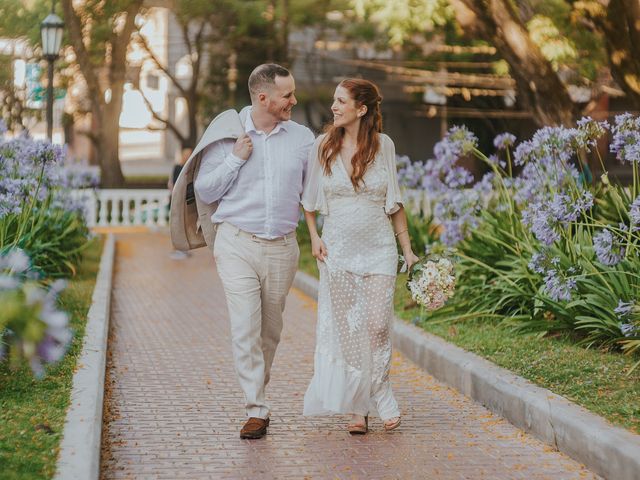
174 409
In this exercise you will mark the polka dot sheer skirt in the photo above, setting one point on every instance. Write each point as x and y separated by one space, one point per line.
355 298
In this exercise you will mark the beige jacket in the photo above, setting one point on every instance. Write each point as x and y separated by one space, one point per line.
190 221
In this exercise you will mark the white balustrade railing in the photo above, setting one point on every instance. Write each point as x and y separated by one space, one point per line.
125 207
150 207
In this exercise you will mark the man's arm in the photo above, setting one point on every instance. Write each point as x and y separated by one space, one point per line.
219 169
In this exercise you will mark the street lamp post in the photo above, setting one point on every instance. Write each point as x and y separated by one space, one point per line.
51 31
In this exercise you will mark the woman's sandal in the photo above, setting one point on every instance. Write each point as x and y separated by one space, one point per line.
359 428
392 424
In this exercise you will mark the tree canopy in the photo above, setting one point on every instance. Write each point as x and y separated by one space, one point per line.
548 45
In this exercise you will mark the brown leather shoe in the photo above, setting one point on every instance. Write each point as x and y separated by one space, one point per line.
254 428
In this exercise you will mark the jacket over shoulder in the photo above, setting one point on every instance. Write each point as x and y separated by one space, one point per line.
190 220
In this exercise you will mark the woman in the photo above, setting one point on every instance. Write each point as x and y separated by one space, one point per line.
352 182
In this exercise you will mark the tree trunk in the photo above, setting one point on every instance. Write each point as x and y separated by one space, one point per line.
539 87
109 159
109 135
105 116
191 138
621 28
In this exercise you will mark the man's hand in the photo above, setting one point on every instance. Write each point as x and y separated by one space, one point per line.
243 147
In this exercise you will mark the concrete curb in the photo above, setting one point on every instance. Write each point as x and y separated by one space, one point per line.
609 451
79 457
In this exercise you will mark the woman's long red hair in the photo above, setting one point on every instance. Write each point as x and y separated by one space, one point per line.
363 92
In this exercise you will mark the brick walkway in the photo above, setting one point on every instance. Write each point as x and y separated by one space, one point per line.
174 408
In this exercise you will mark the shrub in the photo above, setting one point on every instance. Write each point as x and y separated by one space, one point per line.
31 326
38 214
544 249
42 234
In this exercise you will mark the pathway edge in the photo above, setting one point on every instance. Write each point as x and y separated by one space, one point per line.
79 457
609 451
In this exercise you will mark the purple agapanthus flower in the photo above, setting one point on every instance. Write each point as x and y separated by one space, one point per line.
458 177
77 176
541 223
410 174
461 135
457 142
8 282
57 336
495 160
15 261
544 229
452 232
624 309
546 217
589 131
557 287
34 170
628 329
457 207
524 153
561 209
504 140
457 211
540 177
634 214
583 203
542 262
553 143
608 248
485 186
626 138
447 151
537 262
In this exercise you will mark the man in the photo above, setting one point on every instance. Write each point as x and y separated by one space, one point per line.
257 182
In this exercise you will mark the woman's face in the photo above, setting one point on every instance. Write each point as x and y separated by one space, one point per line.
345 111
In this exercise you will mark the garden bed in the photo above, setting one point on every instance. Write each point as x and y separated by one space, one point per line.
32 412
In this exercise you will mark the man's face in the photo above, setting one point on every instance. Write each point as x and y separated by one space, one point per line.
280 98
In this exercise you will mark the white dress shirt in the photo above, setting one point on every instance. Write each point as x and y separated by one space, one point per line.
262 194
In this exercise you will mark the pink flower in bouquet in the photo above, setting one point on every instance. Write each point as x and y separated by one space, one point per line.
432 282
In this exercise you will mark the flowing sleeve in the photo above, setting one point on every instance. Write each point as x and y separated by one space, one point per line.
313 199
394 196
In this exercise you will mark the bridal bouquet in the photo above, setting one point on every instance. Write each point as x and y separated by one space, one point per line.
432 282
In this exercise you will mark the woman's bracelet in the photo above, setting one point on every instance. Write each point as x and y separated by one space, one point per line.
401 232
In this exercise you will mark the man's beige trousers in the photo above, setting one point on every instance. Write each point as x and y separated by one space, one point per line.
256 275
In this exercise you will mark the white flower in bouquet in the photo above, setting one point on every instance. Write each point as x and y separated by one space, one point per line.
432 282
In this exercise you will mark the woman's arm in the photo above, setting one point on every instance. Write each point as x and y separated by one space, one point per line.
318 248
401 229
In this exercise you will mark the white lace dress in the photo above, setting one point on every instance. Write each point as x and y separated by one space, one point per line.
357 280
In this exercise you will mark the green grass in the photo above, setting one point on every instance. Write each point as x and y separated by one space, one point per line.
595 379
307 262
32 412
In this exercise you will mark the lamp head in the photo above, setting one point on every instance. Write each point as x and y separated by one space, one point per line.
51 30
